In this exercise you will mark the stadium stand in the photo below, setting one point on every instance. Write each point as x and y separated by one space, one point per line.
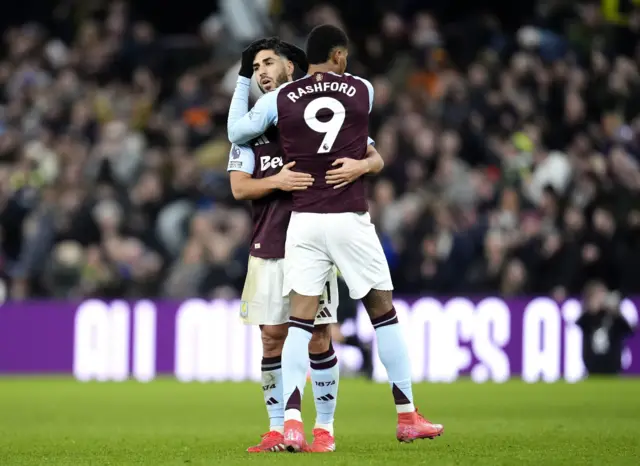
512 153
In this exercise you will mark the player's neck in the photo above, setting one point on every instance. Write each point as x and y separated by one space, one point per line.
320 68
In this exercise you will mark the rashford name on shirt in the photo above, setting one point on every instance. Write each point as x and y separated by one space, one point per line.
327 86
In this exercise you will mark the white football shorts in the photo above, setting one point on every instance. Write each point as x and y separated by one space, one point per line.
263 302
348 240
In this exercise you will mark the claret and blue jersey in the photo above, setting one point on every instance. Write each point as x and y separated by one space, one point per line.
320 118
261 158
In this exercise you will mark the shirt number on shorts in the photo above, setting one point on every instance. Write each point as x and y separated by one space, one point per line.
327 294
330 128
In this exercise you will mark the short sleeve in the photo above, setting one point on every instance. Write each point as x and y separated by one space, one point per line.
242 159
371 142
370 89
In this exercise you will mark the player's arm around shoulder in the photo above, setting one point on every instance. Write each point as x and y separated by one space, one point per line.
373 160
245 187
241 168
263 114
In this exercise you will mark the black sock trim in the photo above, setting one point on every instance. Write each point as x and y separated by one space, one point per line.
304 324
272 360
324 364
319 357
388 318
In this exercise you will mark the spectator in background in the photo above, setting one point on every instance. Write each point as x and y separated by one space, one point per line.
512 158
604 330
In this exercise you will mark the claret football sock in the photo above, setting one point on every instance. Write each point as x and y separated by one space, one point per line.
325 373
394 355
272 390
295 362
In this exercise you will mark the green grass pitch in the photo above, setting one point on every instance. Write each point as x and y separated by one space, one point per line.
46 421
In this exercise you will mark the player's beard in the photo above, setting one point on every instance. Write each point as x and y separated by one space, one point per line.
279 81
282 78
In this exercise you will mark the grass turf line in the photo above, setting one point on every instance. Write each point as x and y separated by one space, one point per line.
50 422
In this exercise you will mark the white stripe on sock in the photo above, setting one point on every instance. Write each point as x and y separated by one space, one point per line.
327 359
408 408
385 321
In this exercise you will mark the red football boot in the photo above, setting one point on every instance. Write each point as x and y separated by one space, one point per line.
412 426
272 441
323 442
294 439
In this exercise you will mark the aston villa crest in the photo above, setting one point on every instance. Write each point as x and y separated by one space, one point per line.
319 77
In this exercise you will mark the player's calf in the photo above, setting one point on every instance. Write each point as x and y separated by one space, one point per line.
320 339
304 307
273 337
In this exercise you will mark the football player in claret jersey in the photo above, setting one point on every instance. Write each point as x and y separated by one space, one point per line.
258 173
323 121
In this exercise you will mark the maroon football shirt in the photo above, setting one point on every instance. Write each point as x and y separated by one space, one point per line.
271 213
321 118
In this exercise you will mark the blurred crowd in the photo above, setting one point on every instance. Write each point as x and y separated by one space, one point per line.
512 154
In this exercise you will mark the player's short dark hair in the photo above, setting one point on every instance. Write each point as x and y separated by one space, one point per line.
285 50
323 40
270 43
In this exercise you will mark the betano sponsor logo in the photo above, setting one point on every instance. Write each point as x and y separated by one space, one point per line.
267 162
117 341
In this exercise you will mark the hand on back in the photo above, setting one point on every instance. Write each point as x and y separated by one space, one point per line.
347 172
288 180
